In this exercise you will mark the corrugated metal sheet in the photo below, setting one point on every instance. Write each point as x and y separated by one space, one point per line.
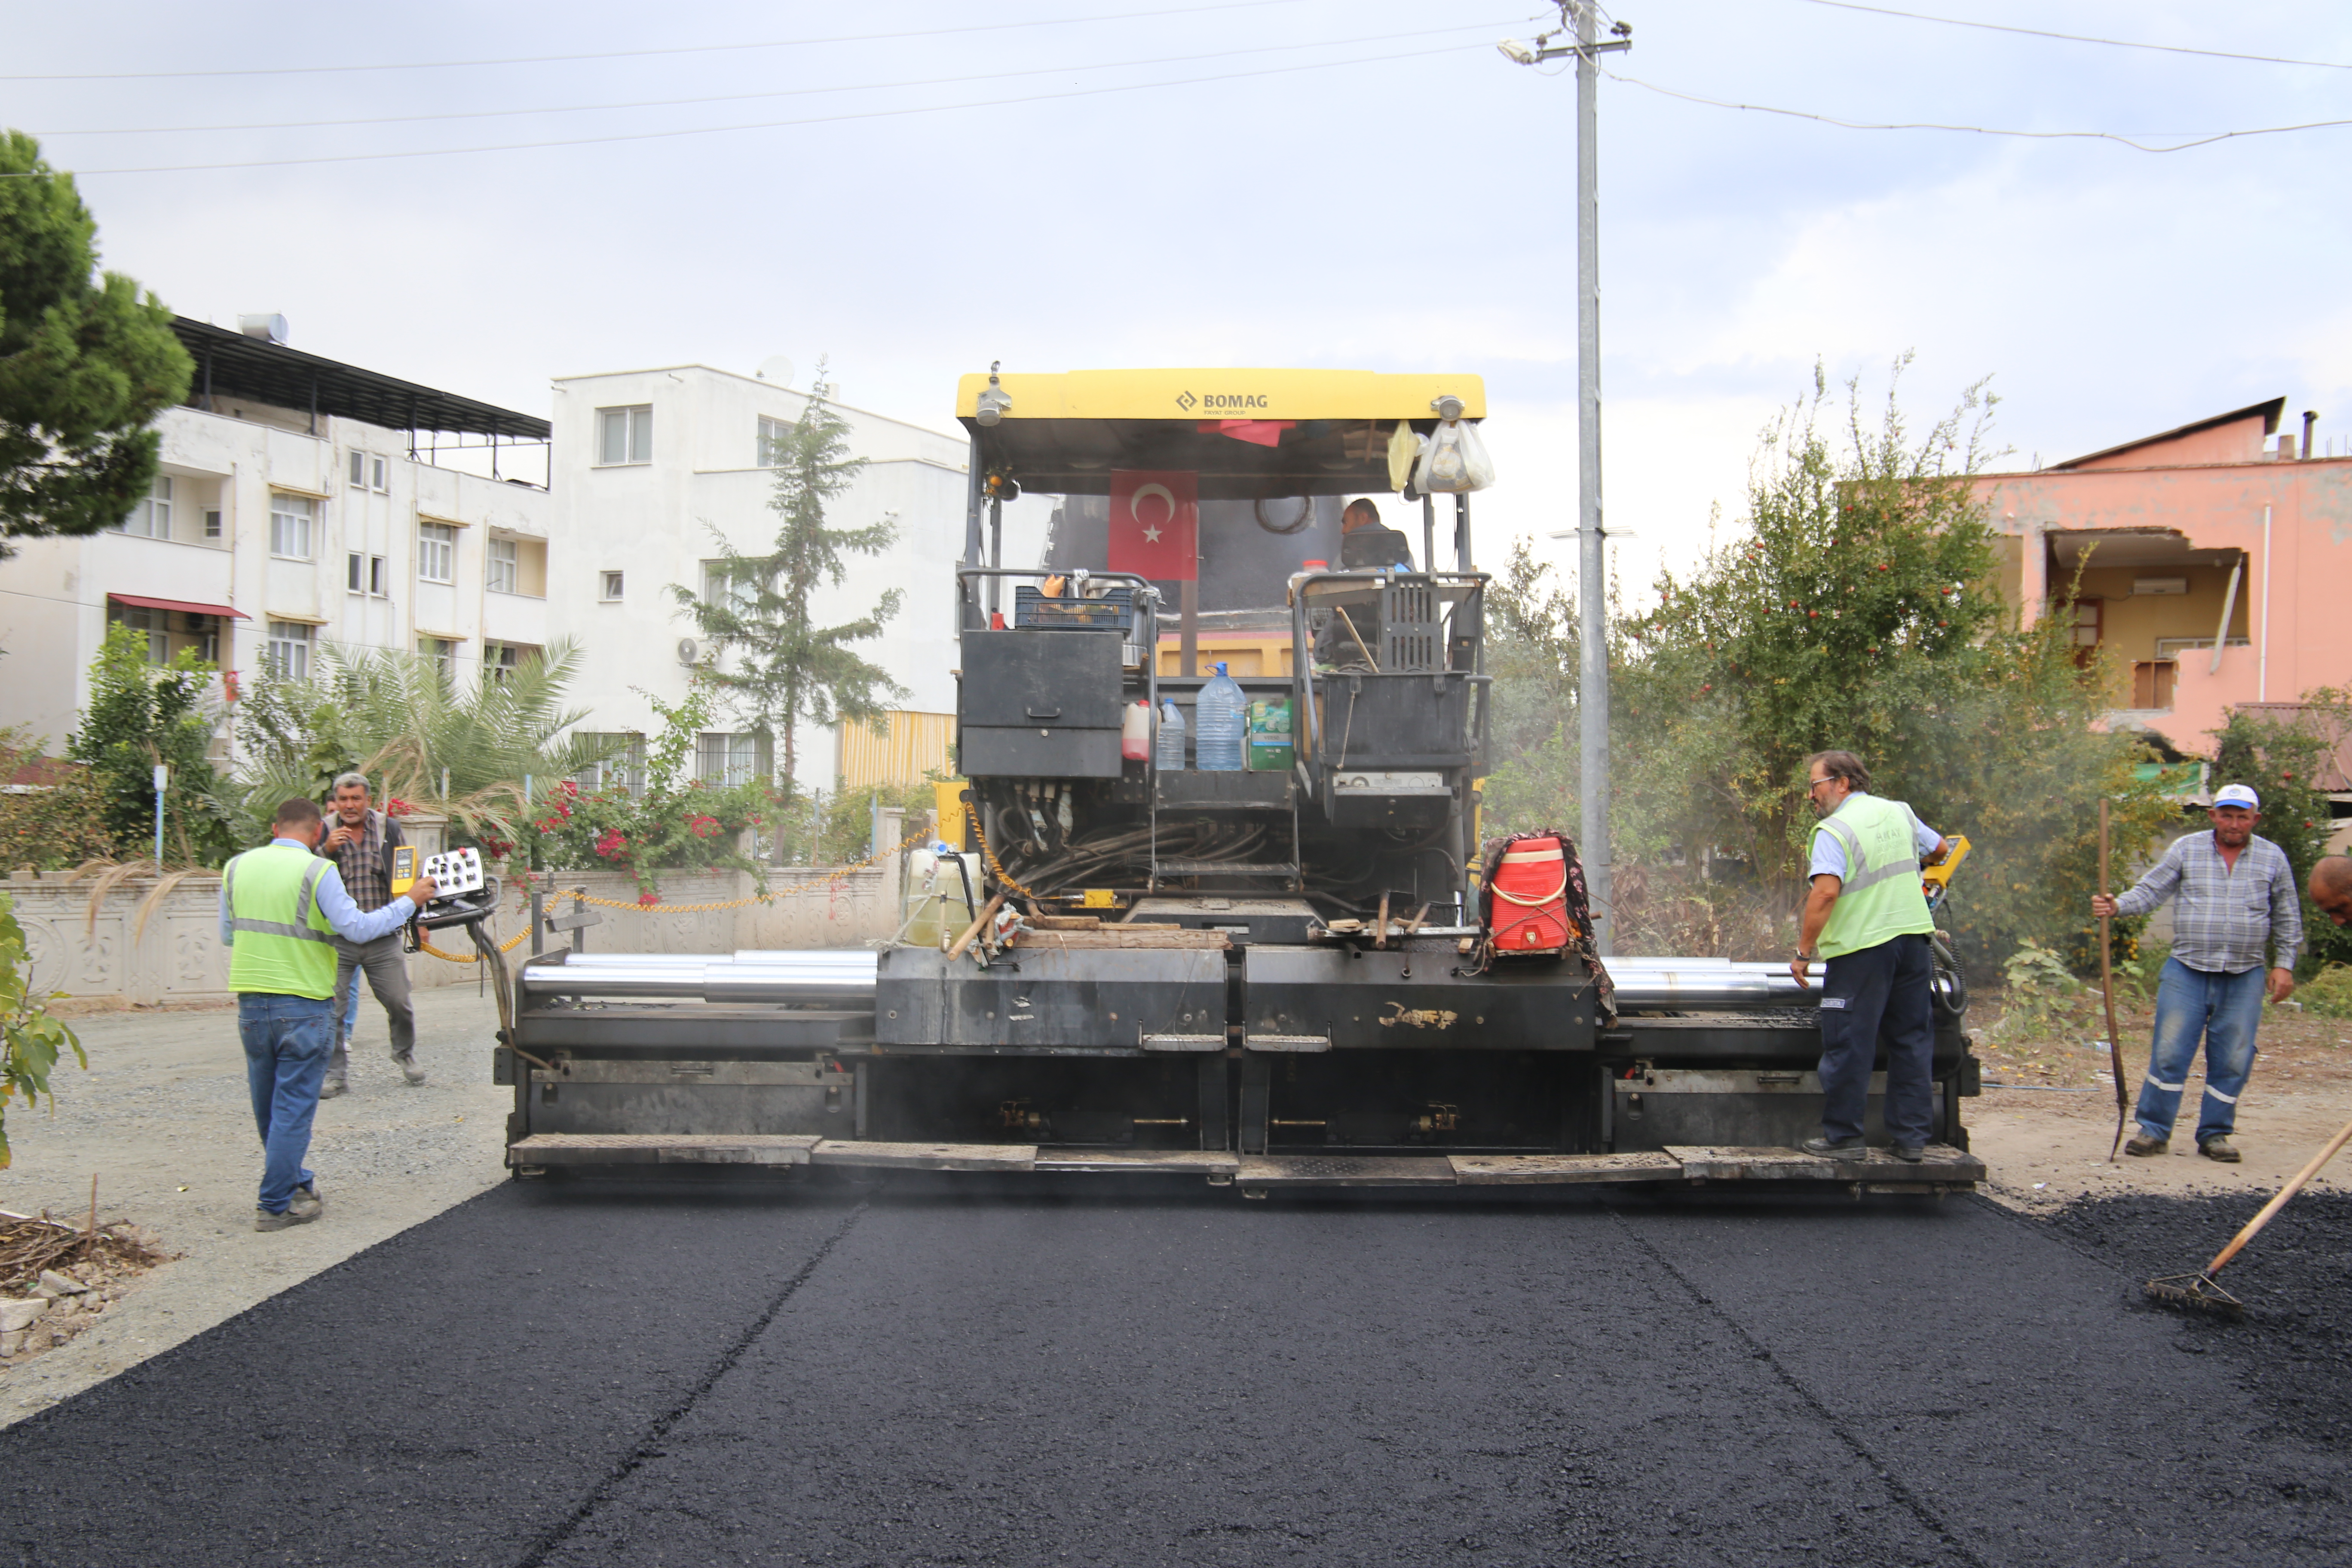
914 744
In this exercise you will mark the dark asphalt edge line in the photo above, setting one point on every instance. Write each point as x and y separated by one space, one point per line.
666 1422
1916 1505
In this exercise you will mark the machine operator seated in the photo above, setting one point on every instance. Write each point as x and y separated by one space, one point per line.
1350 637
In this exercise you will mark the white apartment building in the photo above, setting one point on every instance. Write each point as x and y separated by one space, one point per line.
646 464
299 503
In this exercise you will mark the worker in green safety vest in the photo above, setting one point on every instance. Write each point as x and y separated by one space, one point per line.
1867 916
281 907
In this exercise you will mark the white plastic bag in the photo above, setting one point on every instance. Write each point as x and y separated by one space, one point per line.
1455 460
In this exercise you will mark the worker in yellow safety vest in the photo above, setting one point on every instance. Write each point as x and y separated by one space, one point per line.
1866 915
281 907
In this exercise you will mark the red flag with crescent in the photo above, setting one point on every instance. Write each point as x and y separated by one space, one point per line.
1155 524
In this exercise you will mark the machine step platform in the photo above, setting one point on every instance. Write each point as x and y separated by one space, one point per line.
1943 1169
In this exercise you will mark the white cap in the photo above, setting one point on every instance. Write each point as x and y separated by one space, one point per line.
2237 794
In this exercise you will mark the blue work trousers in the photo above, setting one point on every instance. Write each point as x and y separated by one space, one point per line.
2219 1010
1874 998
286 1042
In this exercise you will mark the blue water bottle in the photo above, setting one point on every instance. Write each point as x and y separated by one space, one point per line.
1221 711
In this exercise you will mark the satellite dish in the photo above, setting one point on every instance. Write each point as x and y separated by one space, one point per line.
688 651
778 369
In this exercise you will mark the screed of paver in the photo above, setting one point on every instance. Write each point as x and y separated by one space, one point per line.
1024 1381
2021 1388
450 1396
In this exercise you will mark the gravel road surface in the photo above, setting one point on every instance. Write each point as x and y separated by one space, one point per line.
584 1374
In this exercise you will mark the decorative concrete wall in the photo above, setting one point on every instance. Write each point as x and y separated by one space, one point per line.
177 957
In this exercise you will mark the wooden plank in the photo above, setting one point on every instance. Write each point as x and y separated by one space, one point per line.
1344 1171
1133 1162
928 1156
1707 1164
1508 1170
664 1148
1129 937
1066 922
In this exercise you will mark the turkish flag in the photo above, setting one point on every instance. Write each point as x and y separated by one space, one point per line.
1155 524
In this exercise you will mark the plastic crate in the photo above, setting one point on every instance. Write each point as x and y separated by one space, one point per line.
1114 612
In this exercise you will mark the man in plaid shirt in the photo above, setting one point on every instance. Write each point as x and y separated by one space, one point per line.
2238 901
361 841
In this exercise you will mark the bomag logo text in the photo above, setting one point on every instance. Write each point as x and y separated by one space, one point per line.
1223 402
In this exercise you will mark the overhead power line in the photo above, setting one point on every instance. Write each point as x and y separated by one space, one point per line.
781 125
2083 38
2199 140
779 92
643 53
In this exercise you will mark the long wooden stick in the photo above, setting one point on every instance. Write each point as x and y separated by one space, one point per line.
2278 1203
2107 993
971 930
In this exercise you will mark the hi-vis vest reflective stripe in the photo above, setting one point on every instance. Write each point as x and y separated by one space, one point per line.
1880 898
284 944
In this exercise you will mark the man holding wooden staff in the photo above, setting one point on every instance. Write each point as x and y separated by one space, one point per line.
2238 902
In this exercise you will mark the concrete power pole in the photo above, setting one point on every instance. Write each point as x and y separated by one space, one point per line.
1593 568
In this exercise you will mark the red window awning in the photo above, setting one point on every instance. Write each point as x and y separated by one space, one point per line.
186 606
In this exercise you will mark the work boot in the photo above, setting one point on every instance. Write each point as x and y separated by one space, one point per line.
2141 1143
331 1086
1909 1154
264 1220
1822 1149
305 1204
410 1070
2219 1149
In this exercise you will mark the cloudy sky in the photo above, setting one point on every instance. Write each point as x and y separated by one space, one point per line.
1061 183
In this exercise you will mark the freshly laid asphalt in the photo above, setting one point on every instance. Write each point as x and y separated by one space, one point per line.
587 1373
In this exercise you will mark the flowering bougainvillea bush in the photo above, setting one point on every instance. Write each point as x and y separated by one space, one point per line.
674 824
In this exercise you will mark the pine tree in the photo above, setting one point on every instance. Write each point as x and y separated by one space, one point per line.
85 364
788 671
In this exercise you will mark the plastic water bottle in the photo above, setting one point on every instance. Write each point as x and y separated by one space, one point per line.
1171 737
1221 710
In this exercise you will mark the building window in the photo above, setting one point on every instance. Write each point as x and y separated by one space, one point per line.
501 568
741 596
355 574
289 525
379 576
370 472
501 660
773 434
721 758
624 436
622 769
442 652
436 552
612 587
288 655
155 624
152 517
212 522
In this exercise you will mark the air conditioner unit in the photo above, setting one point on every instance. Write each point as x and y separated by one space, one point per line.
2141 586
688 651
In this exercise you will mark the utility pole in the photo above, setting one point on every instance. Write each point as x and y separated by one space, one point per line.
1592 569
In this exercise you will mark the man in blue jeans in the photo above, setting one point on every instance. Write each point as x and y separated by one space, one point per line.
281 908
2238 901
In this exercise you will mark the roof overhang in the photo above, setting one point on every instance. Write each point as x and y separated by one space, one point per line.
231 364
185 606
2267 412
1248 434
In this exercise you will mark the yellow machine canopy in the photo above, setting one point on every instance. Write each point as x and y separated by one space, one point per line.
1249 434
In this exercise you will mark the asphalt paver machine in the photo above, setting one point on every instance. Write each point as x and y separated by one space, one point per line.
1284 972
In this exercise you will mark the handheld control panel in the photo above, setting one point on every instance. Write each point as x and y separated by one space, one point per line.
455 871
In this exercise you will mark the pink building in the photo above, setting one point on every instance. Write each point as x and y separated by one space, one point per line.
2206 568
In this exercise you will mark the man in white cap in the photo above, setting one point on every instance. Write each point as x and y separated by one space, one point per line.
2238 902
